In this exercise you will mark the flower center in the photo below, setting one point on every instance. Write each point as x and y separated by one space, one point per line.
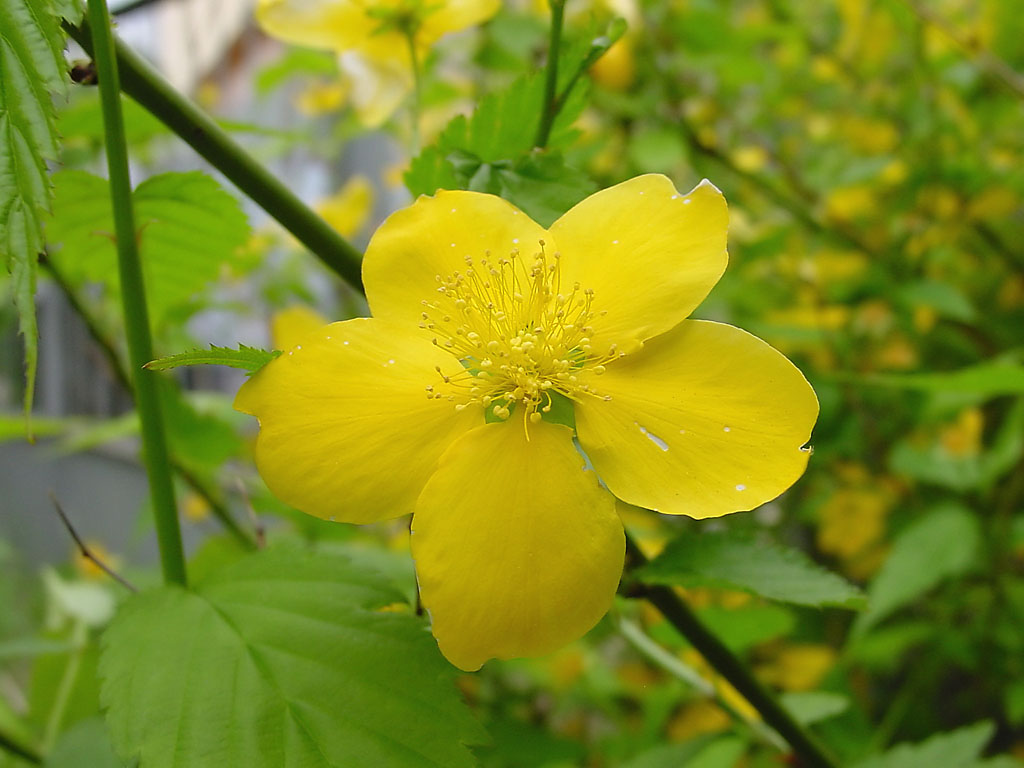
518 332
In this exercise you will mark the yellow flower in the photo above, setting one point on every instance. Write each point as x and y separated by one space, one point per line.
372 39
490 336
348 209
289 326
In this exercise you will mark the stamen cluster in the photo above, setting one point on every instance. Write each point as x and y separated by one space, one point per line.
517 332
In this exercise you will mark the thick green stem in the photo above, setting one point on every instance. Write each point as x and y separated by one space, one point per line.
725 662
133 301
547 118
148 88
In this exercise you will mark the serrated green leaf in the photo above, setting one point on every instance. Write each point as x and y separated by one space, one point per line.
739 561
31 69
247 358
281 658
957 749
942 544
188 227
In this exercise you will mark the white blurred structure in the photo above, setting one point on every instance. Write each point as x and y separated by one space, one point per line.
185 39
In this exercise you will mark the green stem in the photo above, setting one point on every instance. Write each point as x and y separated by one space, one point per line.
417 89
79 635
547 118
149 89
133 301
677 668
725 662
217 507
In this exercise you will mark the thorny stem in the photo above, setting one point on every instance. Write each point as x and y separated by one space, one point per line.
547 119
84 549
725 662
157 96
133 301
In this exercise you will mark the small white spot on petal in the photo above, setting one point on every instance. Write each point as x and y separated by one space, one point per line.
741 487
515 239
391 362
327 337
453 245
290 352
345 343
298 346
641 193
453 210
674 197
615 242
727 429
682 431
652 437
687 201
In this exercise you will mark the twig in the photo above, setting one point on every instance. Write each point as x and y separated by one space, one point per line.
257 527
87 553
725 662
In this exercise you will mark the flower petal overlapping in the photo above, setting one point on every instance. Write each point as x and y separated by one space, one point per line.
439 405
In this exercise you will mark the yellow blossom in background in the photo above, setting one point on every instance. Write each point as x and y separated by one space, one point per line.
319 98
289 326
489 334
963 437
88 569
374 40
195 508
750 158
798 667
616 69
350 207
697 718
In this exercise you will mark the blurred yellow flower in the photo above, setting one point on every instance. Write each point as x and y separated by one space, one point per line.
750 158
88 569
350 207
798 667
963 437
319 98
852 202
374 39
452 403
195 508
616 70
289 326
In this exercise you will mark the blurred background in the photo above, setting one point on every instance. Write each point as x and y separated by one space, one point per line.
871 153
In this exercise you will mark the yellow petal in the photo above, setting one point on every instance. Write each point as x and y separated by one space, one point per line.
379 85
334 24
649 253
346 430
289 326
518 550
704 420
432 237
453 15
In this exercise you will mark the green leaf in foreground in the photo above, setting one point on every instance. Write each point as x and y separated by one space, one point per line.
282 658
957 749
247 358
739 561
31 68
